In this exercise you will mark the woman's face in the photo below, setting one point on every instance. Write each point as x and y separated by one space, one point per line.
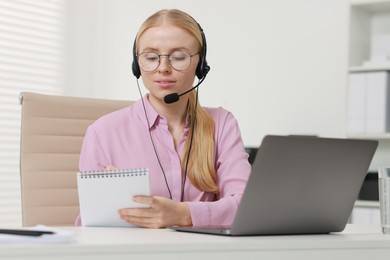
164 40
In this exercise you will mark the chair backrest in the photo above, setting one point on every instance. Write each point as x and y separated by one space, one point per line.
52 131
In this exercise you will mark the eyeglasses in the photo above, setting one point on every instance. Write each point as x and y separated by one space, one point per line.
178 60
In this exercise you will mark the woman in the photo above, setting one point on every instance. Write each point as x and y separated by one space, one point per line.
197 162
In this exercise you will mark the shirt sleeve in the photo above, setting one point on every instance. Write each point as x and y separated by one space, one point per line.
233 170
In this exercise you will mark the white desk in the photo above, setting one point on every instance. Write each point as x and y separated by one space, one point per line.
356 242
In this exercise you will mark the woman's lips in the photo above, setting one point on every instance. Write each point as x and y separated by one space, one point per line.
165 83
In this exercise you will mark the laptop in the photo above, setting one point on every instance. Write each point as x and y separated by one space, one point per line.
299 185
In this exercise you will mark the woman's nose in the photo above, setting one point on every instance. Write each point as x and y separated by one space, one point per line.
164 64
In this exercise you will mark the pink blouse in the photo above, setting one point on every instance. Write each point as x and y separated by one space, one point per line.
122 139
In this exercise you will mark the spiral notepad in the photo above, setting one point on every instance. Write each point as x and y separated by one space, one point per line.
103 193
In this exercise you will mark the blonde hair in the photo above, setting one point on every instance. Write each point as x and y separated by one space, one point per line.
201 169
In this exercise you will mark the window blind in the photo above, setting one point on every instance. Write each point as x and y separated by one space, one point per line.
32 51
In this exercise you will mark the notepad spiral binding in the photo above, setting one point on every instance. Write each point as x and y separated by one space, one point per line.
134 172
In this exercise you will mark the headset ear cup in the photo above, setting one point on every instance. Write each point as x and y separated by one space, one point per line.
199 69
202 69
135 68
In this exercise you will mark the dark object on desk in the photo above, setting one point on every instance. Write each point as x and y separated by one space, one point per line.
300 185
252 153
25 232
369 190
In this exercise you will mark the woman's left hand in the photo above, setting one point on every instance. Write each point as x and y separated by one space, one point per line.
162 212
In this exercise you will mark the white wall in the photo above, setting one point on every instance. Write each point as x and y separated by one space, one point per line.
278 65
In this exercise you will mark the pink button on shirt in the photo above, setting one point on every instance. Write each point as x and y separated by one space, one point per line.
121 139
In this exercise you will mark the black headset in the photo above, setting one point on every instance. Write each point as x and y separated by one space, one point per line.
201 70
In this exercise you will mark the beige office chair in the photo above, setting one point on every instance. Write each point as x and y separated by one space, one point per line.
52 131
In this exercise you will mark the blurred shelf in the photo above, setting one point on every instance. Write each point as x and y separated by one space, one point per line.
364 69
367 204
370 136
